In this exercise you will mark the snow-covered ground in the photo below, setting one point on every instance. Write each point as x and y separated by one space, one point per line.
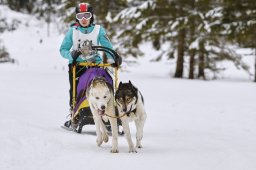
191 125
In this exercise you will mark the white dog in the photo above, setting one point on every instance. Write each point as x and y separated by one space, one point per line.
101 100
130 106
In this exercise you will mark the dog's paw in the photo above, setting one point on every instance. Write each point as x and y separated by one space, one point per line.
114 150
99 141
138 145
105 137
132 150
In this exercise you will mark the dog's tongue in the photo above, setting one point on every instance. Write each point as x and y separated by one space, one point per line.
101 112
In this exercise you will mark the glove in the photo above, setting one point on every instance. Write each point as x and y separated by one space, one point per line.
75 54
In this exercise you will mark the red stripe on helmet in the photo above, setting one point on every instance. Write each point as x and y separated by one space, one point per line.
83 7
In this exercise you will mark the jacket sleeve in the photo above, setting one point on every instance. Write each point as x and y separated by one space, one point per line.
67 44
105 42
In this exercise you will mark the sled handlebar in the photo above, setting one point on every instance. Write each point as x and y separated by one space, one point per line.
114 55
110 51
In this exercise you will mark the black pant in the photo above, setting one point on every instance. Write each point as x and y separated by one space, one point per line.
79 71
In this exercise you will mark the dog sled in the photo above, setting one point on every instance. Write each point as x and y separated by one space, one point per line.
81 114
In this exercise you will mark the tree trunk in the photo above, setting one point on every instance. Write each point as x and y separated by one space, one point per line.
192 52
201 63
180 57
191 64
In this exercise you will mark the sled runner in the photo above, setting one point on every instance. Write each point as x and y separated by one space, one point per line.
81 113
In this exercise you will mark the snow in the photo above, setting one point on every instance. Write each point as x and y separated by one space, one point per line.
195 125
141 24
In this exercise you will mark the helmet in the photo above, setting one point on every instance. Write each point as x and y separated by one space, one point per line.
85 7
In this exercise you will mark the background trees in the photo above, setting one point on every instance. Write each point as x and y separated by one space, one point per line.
195 31
197 34
240 20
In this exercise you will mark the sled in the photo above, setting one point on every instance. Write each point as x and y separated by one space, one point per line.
81 113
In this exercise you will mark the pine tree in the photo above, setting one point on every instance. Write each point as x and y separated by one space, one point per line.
21 5
197 23
239 18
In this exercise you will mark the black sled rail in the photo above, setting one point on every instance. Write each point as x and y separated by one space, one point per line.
110 51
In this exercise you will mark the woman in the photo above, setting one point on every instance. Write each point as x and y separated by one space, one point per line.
84 30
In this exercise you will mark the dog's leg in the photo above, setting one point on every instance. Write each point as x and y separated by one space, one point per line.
98 131
114 129
127 133
139 127
104 130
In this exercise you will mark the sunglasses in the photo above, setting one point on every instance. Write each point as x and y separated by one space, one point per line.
85 15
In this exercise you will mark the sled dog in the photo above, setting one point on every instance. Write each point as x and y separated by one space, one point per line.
130 107
100 96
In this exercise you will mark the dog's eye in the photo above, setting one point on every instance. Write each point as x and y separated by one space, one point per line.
97 98
105 97
128 99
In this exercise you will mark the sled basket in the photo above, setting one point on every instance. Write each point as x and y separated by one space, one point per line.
81 113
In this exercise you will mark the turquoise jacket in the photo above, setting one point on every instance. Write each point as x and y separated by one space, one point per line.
67 43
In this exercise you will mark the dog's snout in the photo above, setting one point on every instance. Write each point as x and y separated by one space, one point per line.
124 110
103 107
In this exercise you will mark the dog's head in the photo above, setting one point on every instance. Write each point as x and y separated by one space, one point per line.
100 93
126 96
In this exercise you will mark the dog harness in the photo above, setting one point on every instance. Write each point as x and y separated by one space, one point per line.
131 111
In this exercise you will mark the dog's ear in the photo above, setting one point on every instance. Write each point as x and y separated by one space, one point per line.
88 89
134 89
92 83
130 83
110 87
120 84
